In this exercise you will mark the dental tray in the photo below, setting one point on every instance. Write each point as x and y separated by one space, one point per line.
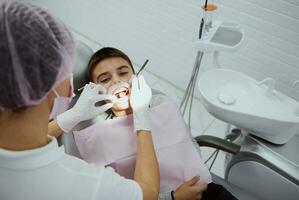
222 36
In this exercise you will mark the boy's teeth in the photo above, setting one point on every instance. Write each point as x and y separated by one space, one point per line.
122 94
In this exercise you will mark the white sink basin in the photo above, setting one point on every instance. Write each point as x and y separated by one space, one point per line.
250 105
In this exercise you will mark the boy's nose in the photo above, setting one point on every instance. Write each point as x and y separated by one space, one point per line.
115 80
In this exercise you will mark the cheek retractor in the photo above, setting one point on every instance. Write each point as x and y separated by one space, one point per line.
121 92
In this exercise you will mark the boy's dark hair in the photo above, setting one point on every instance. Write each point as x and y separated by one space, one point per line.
102 54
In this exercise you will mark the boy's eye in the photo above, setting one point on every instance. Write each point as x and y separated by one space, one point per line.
123 73
104 80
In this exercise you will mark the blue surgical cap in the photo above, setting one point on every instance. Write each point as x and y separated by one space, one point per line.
36 54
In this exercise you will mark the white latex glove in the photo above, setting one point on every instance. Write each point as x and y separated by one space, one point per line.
140 98
85 107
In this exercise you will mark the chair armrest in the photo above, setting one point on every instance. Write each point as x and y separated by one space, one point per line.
218 143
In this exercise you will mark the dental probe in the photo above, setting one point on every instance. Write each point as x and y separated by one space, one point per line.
143 66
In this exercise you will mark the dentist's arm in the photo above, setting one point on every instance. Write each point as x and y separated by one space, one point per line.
54 129
84 109
146 169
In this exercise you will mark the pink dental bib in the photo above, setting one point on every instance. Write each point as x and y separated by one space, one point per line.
113 142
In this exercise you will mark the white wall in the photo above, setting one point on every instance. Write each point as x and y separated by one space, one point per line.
165 31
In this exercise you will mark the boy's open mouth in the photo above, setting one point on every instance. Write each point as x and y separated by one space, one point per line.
121 92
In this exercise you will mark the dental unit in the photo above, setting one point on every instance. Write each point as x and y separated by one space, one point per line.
266 120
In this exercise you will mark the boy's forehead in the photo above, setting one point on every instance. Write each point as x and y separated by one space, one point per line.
112 63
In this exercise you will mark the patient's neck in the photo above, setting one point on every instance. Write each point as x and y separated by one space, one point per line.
24 129
121 113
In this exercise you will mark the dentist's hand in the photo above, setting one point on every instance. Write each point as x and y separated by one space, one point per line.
85 108
140 98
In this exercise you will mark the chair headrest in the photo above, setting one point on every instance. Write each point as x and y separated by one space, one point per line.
83 54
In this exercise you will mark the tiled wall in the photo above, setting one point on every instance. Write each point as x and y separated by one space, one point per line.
165 31
271 47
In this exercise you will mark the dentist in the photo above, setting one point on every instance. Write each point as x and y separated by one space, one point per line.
36 54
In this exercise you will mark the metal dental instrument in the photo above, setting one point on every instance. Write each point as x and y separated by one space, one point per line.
206 4
81 88
201 28
143 66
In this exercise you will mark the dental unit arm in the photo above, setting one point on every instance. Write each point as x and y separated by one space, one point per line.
226 144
